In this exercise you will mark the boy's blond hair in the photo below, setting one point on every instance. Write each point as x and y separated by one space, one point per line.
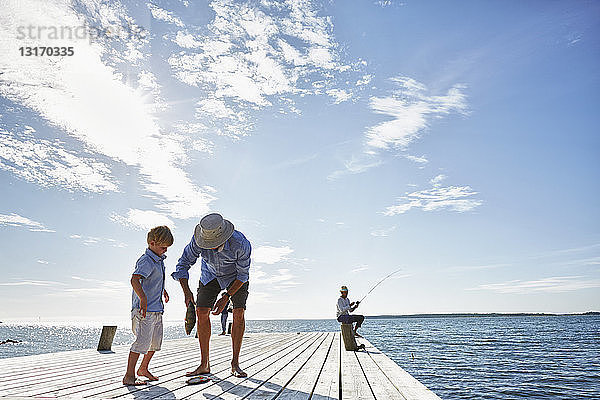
161 235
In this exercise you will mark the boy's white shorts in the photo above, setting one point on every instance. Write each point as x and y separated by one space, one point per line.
148 331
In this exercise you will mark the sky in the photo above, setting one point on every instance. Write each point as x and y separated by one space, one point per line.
455 141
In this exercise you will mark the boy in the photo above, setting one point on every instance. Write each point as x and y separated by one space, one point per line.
148 282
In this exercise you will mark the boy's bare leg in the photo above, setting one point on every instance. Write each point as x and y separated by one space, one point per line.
143 369
237 334
203 329
129 378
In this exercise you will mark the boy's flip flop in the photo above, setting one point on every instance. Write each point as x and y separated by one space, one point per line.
197 380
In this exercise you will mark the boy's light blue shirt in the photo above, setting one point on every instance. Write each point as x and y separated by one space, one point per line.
152 269
227 265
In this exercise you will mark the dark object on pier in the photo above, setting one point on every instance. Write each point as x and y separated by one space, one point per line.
349 339
229 329
106 338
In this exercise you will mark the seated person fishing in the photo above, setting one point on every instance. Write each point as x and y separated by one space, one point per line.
344 307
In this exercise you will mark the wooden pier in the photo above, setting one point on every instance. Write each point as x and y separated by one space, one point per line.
310 365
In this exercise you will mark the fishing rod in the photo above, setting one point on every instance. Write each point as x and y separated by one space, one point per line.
379 283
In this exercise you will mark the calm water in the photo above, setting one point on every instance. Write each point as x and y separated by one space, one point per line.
457 358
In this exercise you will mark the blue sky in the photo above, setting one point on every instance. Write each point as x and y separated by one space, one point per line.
457 141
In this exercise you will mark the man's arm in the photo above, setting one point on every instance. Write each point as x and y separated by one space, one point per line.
243 262
187 293
222 302
190 255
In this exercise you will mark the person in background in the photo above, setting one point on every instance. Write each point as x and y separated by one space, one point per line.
344 308
148 282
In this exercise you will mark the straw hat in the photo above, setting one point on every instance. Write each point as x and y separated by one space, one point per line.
212 231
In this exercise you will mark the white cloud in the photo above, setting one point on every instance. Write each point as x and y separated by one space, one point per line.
556 284
383 232
88 99
88 287
359 269
43 262
164 15
436 181
339 95
270 254
411 109
187 40
142 219
355 165
477 267
365 80
281 279
454 198
252 55
47 163
419 160
93 240
24 222
32 283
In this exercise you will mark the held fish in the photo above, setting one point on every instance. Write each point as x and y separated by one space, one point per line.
190 318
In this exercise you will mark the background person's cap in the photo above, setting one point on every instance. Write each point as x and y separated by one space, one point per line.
343 289
212 231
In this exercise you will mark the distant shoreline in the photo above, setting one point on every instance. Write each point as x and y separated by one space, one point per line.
462 315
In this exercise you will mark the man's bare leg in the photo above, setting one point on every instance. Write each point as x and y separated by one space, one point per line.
143 369
237 334
129 378
203 329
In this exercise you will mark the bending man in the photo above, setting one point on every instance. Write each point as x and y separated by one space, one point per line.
225 255
344 306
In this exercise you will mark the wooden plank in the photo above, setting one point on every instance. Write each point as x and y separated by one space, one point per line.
177 386
112 372
406 384
354 382
302 384
175 380
285 375
260 374
101 373
283 366
166 371
328 383
12 368
380 384
94 363
231 387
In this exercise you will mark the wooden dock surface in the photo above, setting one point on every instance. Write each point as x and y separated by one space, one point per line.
311 365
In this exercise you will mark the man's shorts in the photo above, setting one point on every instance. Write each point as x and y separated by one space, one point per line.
148 331
207 295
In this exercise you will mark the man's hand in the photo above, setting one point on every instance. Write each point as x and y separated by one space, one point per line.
357 303
352 304
166 296
220 305
189 297
143 306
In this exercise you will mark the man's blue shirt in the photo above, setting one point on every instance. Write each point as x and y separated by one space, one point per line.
152 269
227 265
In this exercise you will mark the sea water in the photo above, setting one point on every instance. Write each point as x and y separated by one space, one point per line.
525 357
